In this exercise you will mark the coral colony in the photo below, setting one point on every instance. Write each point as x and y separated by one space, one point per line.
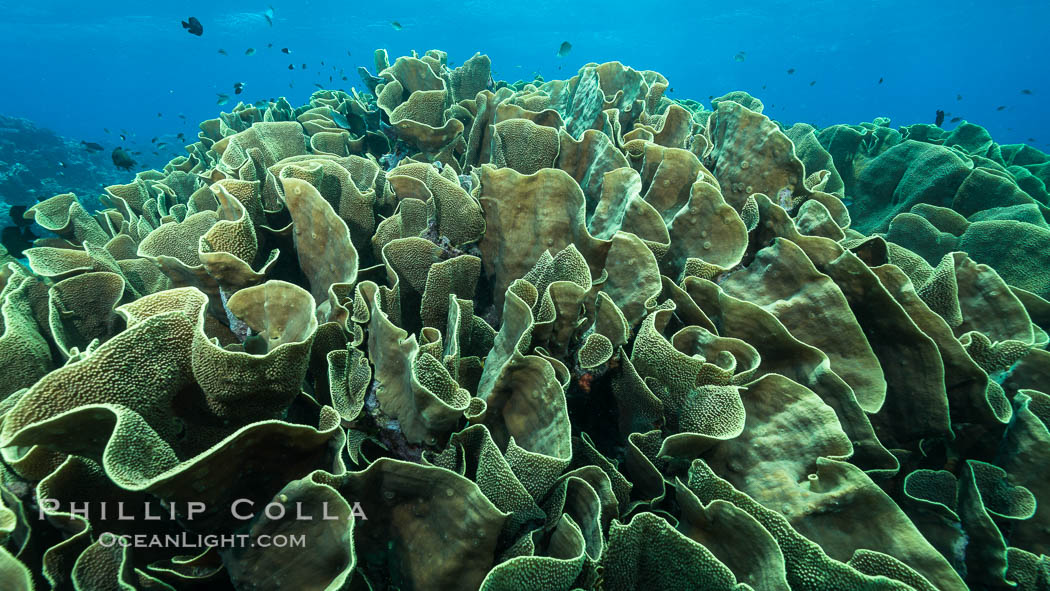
457 333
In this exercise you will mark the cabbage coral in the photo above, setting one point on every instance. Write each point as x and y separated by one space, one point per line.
569 334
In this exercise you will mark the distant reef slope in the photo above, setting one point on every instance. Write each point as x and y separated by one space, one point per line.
36 163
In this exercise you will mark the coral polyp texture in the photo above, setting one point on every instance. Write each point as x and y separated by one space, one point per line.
558 335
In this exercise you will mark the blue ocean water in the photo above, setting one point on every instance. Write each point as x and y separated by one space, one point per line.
80 68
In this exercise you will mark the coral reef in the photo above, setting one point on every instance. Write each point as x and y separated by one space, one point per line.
35 164
565 334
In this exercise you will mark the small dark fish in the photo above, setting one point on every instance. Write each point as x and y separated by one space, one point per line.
740 56
958 97
161 144
304 66
791 70
812 83
123 138
181 116
269 46
160 114
268 15
397 26
1031 139
670 89
1026 91
348 54
939 118
291 66
329 78
763 87
564 49
880 80
105 129
223 99
17 213
92 146
17 240
344 78
255 345
322 62
223 52
285 50
121 159
153 141
955 119
181 136
238 87
318 85
1000 107
193 26
249 51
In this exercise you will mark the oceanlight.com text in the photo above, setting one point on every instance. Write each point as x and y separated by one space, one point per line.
186 540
